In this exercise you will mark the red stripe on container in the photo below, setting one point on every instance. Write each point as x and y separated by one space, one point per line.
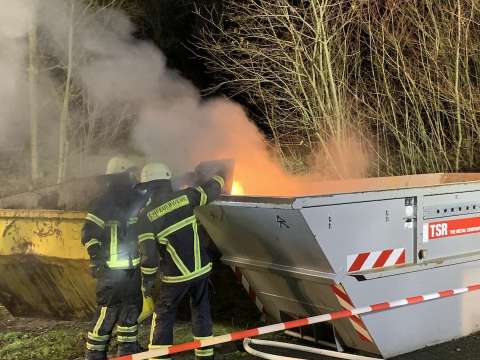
341 294
253 294
359 321
401 259
363 338
238 274
359 261
382 259
243 334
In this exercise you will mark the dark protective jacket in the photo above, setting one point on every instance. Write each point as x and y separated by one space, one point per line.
168 230
109 233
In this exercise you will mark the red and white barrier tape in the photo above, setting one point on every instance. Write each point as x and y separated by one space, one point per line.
296 323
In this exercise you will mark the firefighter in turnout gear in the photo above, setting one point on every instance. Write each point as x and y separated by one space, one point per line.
170 243
110 238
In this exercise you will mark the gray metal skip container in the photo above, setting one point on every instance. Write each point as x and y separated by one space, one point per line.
358 243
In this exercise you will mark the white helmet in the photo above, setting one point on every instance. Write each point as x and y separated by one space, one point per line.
118 164
155 171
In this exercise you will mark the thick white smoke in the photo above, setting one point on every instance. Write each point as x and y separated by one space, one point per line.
173 123
16 19
122 77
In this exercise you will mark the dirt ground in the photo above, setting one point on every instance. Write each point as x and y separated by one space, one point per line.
36 339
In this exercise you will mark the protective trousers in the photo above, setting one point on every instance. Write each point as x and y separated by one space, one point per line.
171 295
119 301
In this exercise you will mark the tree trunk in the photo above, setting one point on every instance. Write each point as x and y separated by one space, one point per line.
33 102
65 114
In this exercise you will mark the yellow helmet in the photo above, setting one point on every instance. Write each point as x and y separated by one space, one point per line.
118 164
155 171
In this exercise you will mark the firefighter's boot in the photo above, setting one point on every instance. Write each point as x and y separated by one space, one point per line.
128 348
96 355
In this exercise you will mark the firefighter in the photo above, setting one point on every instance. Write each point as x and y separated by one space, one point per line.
170 243
111 241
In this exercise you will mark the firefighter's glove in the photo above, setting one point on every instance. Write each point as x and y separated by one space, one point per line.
222 172
97 267
147 308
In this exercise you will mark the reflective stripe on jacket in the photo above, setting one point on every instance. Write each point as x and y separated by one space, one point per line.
110 232
168 229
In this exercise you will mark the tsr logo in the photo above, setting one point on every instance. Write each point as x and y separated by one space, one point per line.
438 230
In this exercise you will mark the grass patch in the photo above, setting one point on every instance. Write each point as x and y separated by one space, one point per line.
38 339
53 344
68 342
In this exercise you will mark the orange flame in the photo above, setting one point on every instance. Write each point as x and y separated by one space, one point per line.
237 188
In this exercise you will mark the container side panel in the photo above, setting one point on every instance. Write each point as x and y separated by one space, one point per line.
276 237
55 288
363 236
43 234
44 265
